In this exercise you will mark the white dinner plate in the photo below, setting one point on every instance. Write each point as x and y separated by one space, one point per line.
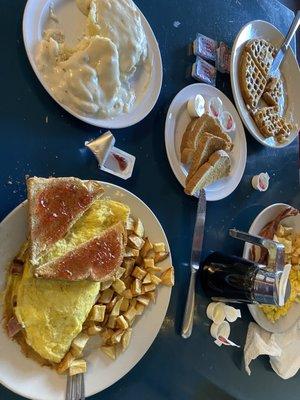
267 215
24 376
176 123
36 20
289 71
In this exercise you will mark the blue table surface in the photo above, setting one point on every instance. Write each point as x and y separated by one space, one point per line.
172 368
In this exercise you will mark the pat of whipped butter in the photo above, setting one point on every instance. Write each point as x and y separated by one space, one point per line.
94 77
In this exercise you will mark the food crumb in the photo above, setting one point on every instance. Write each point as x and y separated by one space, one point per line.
176 24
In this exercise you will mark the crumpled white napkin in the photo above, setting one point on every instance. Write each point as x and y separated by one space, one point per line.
283 349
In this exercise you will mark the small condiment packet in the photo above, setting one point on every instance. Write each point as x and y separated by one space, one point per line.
111 159
223 58
205 47
225 341
204 71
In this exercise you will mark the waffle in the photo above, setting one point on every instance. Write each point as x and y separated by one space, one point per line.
273 92
252 81
263 54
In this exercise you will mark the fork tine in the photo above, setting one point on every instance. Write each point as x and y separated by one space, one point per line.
82 388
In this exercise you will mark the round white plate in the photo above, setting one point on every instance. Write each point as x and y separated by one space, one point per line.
176 123
35 21
267 215
25 377
289 71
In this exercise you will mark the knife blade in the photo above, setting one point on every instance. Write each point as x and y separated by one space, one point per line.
285 44
188 318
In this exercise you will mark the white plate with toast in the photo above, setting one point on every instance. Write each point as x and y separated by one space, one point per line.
37 18
26 377
290 75
264 217
176 122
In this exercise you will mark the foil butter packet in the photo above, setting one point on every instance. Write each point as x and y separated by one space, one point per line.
111 159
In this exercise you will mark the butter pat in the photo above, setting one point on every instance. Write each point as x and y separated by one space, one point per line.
196 106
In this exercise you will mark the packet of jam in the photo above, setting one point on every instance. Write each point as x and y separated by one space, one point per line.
204 71
110 158
205 47
223 58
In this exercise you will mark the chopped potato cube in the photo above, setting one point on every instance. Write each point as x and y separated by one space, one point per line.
125 304
160 256
110 351
94 329
151 296
111 322
116 310
77 367
139 273
127 294
106 334
136 287
107 284
139 308
130 314
155 279
97 313
154 270
121 322
106 296
126 339
132 302
130 224
159 247
149 263
111 305
128 264
117 336
143 300
65 363
120 272
79 343
119 286
146 248
128 281
130 252
136 242
147 279
139 228
149 287
167 277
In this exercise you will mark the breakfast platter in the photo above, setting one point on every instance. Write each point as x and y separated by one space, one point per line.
25 376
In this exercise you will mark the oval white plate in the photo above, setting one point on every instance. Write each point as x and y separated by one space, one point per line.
286 322
25 377
176 123
35 20
289 69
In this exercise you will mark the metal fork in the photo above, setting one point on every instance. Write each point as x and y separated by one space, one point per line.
75 387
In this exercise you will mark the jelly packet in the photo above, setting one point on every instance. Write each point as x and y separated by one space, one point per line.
110 158
204 71
205 47
223 58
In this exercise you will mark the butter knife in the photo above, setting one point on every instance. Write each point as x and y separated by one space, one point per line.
285 44
188 318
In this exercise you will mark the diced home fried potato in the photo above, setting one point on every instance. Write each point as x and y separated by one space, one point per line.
139 261
151 295
111 322
104 322
97 313
295 260
154 270
280 231
111 305
136 287
139 308
132 302
135 242
139 273
139 228
155 279
146 248
159 247
121 322
167 277
116 310
77 367
160 256
106 296
126 339
128 264
107 284
147 279
130 224
119 286
131 253
143 300
149 263
79 343
120 272
127 294
65 363
149 287
130 314
93 329
106 334
128 281
110 351
125 304
117 336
